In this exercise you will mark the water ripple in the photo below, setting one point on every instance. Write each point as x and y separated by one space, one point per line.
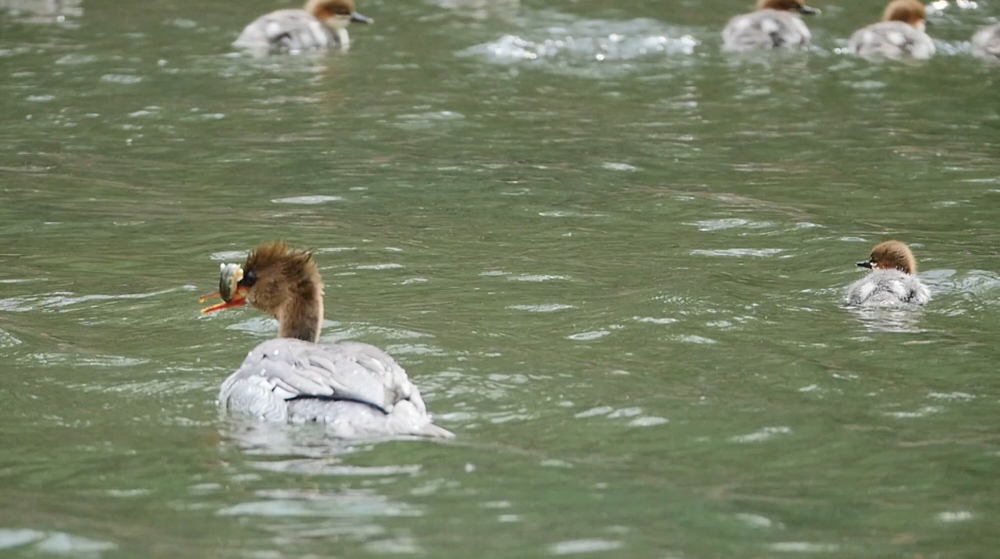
585 47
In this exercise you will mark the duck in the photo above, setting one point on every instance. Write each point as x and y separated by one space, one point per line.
900 35
321 24
986 42
892 281
775 24
355 389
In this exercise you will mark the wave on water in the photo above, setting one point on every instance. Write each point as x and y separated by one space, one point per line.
585 46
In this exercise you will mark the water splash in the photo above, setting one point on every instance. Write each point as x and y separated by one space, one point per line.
586 47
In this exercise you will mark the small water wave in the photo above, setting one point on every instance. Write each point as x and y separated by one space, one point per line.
955 516
765 434
307 200
121 79
351 504
552 307
739 252
53 543
575 547
229 255
7 340
804 547
654 320
729 223
386 266
588 336
634 414
54 359
61 299
537 277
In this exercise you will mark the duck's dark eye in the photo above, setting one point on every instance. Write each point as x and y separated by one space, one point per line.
341 11
249 279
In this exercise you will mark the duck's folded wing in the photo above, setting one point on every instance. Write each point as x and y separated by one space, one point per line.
286 29
295 369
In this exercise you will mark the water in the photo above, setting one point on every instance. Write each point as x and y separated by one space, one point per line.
611 256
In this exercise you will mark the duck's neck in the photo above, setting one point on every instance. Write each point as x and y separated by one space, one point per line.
303 317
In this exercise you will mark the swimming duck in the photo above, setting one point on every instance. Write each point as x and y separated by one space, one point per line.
775 24
892 281
900 35
320 24
986 42
356 389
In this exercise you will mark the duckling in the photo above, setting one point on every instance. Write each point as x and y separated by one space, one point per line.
892 281
321 24
775 24
356 389
899 36
986 42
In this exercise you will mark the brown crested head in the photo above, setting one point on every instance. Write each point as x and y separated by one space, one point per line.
275 276
891 255
280 281
335 13
798 6
911 12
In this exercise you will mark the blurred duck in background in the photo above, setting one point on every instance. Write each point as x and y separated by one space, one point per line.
322 24
775 24
899 36
986 42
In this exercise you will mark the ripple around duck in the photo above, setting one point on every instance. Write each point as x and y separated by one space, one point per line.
585 47
53 543
973 283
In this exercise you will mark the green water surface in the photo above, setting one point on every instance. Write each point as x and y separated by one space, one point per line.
611 256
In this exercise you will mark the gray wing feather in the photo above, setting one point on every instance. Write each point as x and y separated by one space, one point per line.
286 29
765 29
891 39
347 371
888 288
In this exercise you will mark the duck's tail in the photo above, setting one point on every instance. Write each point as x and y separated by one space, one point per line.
433 431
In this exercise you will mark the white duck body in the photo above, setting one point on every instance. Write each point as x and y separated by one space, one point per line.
290 30
888 288
986 42
356 389
765 29
892 39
